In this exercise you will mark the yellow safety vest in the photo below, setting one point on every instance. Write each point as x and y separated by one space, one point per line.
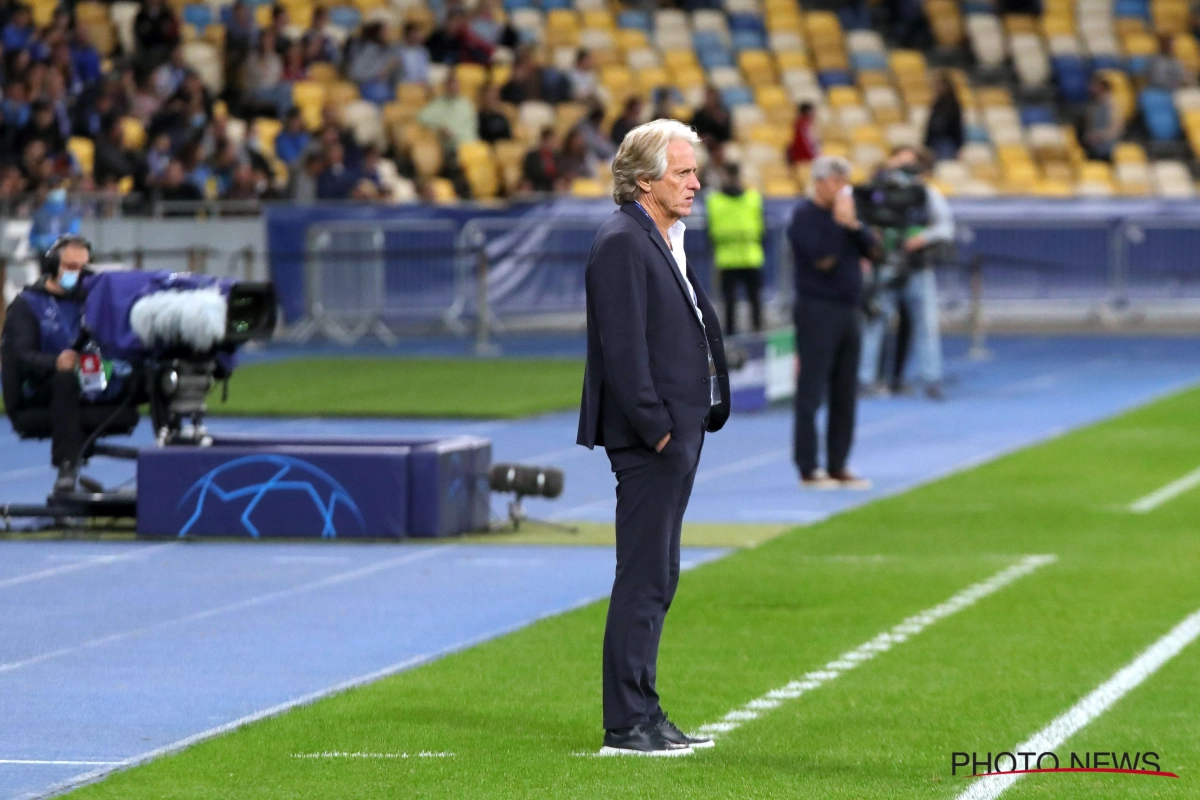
735 227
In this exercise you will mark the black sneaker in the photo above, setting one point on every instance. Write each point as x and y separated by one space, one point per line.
641 740
670 731
67 476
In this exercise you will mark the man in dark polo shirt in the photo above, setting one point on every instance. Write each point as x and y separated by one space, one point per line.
828 243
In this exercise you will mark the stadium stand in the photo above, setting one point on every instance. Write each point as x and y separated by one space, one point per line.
379 99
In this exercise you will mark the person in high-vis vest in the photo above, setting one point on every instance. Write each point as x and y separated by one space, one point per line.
735 227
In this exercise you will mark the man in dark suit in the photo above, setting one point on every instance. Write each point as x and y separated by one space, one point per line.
656 380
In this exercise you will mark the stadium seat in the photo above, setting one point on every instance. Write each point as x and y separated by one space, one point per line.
83 150
1158 110
133 135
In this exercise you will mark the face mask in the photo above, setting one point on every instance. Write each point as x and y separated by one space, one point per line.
69 280
58 196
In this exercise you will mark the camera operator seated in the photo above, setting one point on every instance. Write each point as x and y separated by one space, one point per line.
906 279
40 360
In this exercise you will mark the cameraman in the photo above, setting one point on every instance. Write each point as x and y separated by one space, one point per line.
909 281
828 241
40 360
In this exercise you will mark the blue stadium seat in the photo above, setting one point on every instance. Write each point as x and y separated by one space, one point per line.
737 96
1158 111
746 22
1034 115
711 58
749 40
347 17
1107 62
708 40
1071 72
834 77
199 16
637 20
979 7
513 5
1139 9
976 133
554 5
1138 65
861 61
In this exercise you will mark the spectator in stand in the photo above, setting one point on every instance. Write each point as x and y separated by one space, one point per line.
1165 70
539 172
62 65
54 217
336 181
531 81
1102 125
630 118
85 58
145 102
665 100
16 109
804 138
158 158
414 58
91 111
112 161
601 147
293 140
54 94
319 44
493 125
176 188
43 127
451 114
168 76
294 68
156 31
302 183
245 184
944 132
584 82
456 43
37 165
372 64
263 76
712 121
486 24
280 23
240 33
19 33
576 160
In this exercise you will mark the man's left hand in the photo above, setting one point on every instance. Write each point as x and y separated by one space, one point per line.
915 243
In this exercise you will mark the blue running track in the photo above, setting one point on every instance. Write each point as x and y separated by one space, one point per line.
112 651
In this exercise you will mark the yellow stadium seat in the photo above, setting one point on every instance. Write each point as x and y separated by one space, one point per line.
587 187
688 77
630 39
868 134
413 95
870 78
907 62
1050 187
840 96
470 153
443 191
308 93
125 185
1139 44
426 158
769 97
265 131
674 59
90 11
599 19
1095 172
992 97
483 178
1129 153
133 135
755 61
1187 50
780 186
84 152
618 80
339 93
651 78
322 72
470 78
792 59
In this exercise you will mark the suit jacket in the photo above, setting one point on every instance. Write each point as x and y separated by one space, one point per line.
647 353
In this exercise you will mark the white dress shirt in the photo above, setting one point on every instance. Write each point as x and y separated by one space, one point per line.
675 242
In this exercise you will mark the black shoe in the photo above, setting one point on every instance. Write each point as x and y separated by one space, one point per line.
67 476
670 731
641 740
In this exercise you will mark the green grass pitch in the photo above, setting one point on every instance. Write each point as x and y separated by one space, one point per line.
516 712
410 387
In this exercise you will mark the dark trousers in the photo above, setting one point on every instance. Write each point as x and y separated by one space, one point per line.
652 494
828 340
60 415
752 280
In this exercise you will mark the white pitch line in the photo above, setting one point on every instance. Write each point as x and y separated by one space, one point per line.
238 605
1166 493
881 643
341 754
96 561
1094 704
57 763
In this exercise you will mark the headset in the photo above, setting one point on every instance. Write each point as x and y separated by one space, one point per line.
50 260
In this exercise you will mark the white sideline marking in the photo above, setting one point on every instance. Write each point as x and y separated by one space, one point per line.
1096 703
239 605
1166 493
339 754
308 699
57 763
881 643
94 561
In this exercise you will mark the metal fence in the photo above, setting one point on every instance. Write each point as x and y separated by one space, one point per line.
488 275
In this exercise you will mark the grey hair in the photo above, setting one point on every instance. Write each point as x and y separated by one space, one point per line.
644 152
828 166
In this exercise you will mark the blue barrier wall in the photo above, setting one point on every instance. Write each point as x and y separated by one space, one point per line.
1031 249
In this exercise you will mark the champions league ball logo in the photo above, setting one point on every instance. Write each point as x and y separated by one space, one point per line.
270 486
